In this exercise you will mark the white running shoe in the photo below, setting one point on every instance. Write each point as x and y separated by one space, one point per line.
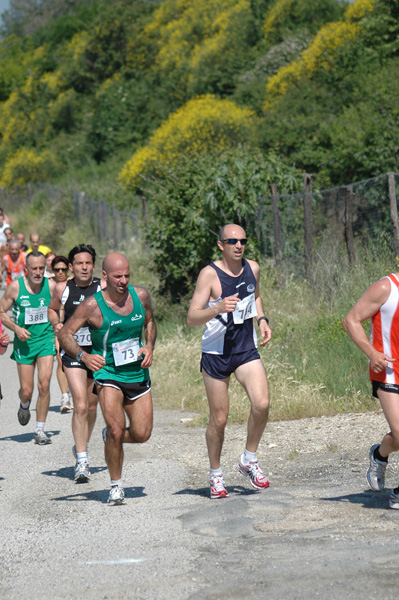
217 489
69 402
376 471
257 478
64 407
116 496
82 472
394 499
41 438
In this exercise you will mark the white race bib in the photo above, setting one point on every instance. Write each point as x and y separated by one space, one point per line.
83 336
126 352
245 309
35 316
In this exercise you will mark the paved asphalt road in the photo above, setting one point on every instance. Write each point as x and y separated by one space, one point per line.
316 533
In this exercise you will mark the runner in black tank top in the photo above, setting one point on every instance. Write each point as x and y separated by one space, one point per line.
226 299
80 379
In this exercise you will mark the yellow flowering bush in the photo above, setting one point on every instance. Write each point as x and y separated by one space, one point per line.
321 53
192 34
290 14
28 166
202 124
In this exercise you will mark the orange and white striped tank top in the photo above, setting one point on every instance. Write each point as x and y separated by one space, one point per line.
384 335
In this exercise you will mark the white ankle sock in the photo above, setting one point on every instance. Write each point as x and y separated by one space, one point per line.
248 457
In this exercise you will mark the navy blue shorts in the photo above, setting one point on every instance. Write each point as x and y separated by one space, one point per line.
221 366
386 387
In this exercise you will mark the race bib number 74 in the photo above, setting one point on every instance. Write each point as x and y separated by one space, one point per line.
245 309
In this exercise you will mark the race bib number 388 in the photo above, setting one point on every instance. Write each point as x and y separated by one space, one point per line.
245 309
35 316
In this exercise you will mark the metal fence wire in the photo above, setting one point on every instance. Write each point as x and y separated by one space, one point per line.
289 228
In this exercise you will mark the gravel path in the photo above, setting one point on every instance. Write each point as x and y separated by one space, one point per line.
317 532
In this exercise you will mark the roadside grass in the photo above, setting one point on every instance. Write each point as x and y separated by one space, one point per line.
313 367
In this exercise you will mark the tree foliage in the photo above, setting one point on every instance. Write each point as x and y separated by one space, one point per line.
192 199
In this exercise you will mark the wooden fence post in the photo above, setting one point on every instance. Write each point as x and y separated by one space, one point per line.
276 226
308 224
394 212
115 227
348 225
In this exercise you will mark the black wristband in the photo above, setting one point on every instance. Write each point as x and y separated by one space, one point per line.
264 319
3 345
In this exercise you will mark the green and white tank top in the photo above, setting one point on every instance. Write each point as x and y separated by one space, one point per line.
119 340
31 310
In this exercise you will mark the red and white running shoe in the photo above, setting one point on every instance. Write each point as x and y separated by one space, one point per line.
258 479
217 487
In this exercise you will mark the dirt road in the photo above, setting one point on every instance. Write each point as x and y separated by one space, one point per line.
317 532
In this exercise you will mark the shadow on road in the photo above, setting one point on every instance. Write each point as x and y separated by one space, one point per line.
99 495
23 438
367 499
232 489
69 472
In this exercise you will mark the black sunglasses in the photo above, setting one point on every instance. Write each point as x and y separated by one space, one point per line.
233 241
63 269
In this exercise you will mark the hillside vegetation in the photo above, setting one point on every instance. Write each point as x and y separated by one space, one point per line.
197 107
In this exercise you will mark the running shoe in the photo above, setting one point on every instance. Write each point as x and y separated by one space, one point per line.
376 471
105 433
41 438
24 415
217 487
64 407
257 478
394 499
116 496
82 472
69 402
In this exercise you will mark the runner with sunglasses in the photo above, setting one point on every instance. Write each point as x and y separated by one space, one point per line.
68 296
59 268
226 300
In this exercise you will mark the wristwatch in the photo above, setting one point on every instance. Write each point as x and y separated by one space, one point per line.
79 356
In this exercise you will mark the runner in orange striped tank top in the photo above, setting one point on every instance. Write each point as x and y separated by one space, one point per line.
380 303
14 261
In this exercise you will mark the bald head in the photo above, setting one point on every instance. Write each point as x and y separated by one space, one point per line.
231 230
115 261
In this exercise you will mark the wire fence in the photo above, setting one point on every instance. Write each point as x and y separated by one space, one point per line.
290 228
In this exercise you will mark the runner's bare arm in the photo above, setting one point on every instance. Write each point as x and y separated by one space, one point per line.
150 328
55 307
367 306
198 313
8 299
86 311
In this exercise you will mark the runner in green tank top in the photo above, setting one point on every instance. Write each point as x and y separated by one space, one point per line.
34 341
116 317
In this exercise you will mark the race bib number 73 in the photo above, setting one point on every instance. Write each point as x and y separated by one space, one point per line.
125 352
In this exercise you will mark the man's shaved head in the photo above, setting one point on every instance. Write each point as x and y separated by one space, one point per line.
114 261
